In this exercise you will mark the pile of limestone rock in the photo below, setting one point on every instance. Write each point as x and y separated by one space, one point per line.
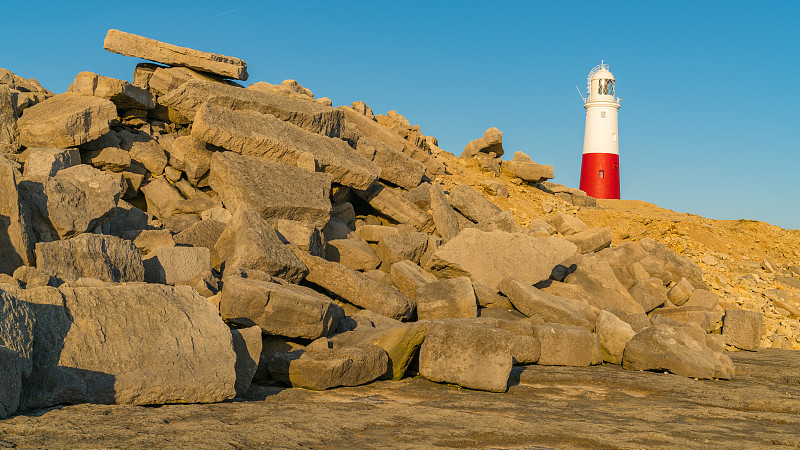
181 237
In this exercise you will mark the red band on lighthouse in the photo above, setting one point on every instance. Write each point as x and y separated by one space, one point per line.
600 175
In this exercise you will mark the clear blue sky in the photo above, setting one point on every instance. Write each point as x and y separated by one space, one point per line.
709 123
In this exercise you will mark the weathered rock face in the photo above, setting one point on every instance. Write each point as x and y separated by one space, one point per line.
533 302
354 253
567 224
289 193
489 257
74 201
442 299
165 79
398 247
43 163
132 344
141 47
247 344
16 334
357 288
649 293
188 99
16 235
10 381
190 156
491 142
742 329
702 317
566 345
668 348
66 120
107 258
176 265
326 368
467 354
281 141
250 242
9 133
291 311
472 204
121 93
400 341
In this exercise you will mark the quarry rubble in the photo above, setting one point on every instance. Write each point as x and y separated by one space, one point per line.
184 239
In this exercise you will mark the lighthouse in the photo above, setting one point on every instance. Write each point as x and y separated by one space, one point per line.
600 165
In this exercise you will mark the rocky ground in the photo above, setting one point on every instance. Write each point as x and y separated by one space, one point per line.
224 265
545 407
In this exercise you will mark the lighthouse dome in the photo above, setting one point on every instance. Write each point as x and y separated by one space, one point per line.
602 73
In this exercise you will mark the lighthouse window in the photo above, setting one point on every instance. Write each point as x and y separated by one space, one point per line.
601 174
602 114
614 137
605 87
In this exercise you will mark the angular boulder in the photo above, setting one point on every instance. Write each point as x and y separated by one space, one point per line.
288 193
597 279
249 242
76 200
408 277
9 132
10 381
742 329
129 44
357 288
528 171
614 335
190 156
284 310
247 344
354 253
191 96
43 163
396 167
391 203
489 257
444 217
325 368
664 347
466 353
398 247
120 92
176 265
129 344
106 258
490 142
284 142
472 204
591 240
533 302
566 345
452 298
17 323
66 120
16 232
649 293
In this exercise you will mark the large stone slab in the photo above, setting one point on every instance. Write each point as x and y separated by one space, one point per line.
10 381
107 258
129 344
247 344
467 354
533 302
490 142
190 97
663 347
451 298
16 234
176 265
393 248
281 141
566 345
396 167
489 257
249 242
190 156
391 203
326 368
614 335
120 92
16 330
528 171
287 193
165 79
596 277
357 288
43 163
400 341
284 310
66 120
129 44
76 200
742 329
408 277
472 204
591 240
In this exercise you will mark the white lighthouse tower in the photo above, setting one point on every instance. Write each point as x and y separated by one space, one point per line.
600 165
